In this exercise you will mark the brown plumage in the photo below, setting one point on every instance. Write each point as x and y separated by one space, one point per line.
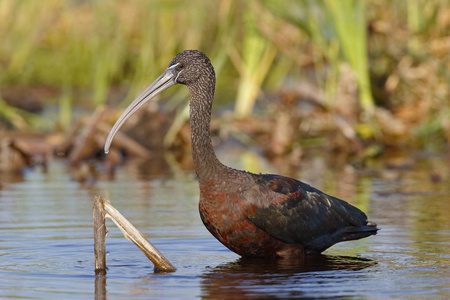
254 215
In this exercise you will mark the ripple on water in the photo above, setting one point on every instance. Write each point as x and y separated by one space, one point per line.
46 246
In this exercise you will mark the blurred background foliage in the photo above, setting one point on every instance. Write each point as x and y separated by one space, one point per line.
383 66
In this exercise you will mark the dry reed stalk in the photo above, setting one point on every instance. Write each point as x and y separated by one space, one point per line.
132 234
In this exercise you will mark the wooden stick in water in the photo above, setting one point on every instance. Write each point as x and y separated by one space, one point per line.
132 234
99 236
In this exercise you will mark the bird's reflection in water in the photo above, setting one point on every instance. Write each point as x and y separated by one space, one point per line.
261 278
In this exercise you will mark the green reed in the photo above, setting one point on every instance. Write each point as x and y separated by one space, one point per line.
349 21
89 50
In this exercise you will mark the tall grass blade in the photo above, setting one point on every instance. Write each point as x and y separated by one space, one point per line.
349 20
258 55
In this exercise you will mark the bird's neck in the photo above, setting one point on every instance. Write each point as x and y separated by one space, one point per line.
206 164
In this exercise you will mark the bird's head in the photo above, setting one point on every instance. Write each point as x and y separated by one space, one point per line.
187 67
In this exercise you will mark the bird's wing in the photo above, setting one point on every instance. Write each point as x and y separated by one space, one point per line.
297 213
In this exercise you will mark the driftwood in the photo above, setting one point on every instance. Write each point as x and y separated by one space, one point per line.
21 150
104 209
122 141
82 145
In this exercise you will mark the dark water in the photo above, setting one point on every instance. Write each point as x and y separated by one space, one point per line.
46 240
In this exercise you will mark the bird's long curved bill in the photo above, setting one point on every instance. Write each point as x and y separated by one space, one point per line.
167 79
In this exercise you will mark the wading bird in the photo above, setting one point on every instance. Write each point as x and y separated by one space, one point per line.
254 215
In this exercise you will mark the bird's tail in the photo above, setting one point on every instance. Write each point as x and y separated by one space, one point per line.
359 232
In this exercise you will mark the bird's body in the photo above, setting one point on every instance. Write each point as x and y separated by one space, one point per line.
254 215
264 215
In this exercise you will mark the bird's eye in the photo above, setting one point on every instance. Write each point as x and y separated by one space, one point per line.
180 67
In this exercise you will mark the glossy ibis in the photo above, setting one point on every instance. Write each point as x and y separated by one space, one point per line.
254 215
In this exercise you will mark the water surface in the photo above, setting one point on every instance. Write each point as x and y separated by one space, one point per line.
46 240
